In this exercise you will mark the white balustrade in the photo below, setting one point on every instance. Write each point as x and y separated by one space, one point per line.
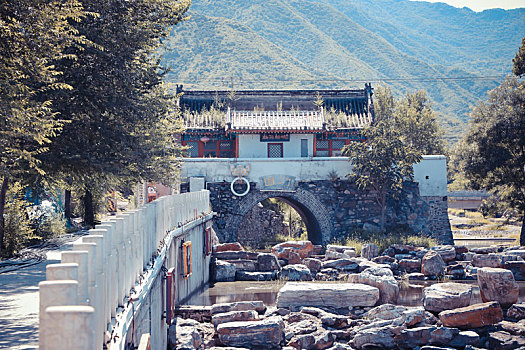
82 295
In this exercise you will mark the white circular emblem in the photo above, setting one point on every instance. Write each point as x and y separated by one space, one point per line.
247 186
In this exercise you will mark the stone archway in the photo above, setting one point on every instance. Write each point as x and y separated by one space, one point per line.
312 211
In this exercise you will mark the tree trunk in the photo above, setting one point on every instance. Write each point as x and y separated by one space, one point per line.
67 206
89 214
522 235
383 212
3 192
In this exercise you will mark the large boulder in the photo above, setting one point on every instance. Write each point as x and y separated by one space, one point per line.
484 250
234 246
238 306
224 271
446 296
293 251
498 285
341 264
378 335
432 264
487 260
294 295
266 333
267 262
369 251
381 278
296 272
313 264
236 255
473 316
517 268
411 315
184 334
447 252
504 340
410 265
234 316
255 276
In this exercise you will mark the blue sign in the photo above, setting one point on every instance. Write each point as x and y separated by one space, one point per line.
277 183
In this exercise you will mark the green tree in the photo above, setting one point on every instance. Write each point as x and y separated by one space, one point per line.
418 124
34 36
122 118
519 61
492 152
384 162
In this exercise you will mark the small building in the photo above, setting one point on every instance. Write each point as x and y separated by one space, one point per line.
273 124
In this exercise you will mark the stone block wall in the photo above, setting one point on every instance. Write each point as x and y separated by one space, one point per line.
259 226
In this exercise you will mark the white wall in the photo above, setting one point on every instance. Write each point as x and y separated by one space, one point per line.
431 174
250 146
310 169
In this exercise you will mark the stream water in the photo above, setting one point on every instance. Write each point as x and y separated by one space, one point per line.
226 292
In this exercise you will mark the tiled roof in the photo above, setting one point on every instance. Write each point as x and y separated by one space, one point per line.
249 121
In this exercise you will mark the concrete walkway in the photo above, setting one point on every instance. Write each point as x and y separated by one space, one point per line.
19 299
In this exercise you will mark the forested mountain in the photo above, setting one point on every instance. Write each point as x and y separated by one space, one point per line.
289 44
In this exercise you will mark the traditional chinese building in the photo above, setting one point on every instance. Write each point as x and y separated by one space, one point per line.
273 124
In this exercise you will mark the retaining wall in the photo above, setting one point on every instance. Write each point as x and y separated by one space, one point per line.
111 288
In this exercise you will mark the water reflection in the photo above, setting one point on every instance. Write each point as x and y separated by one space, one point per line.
226 292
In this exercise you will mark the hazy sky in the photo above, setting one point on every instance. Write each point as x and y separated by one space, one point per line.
480 5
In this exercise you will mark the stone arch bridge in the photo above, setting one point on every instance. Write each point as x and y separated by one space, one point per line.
317 188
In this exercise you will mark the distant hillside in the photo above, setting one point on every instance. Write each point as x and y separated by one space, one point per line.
288 44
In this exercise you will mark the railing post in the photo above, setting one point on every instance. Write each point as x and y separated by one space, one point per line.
81 259
72 328
111 268
54 293
120 250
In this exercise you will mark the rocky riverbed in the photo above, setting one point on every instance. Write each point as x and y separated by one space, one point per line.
334 299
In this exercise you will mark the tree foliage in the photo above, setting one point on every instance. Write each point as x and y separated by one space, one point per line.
519 61
384 162
122 118
492 152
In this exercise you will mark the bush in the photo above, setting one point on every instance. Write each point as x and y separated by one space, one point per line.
384 240
18 230
47 221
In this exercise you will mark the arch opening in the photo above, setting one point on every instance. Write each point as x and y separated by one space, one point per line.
274 219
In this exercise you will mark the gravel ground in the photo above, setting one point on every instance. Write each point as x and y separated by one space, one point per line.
19 280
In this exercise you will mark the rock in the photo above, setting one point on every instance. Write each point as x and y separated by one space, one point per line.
334 321
194 312
415 276
236 255
447 252
327 275
313 264
446 296
432 264
266 333
383 259
504 341
484 250
301 327
515 328
442 335
517 268
323 340
487 260
509 257
457 271
465 338
517 252
381 278
224 271
255 276
235 247
369 251
331 255
304 341
318 249
337 248
244 265
403 256
292 249
349 253
411 315
461 249
380 337
517 312
267 262
296 272
340 346
239 306
232 316
402 248
294 295
410 338
473 316
498 285
410 265
184 335
341 265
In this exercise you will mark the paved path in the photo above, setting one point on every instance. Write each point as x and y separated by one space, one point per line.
19 299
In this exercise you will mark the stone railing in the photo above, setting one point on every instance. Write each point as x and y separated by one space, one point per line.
93 296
